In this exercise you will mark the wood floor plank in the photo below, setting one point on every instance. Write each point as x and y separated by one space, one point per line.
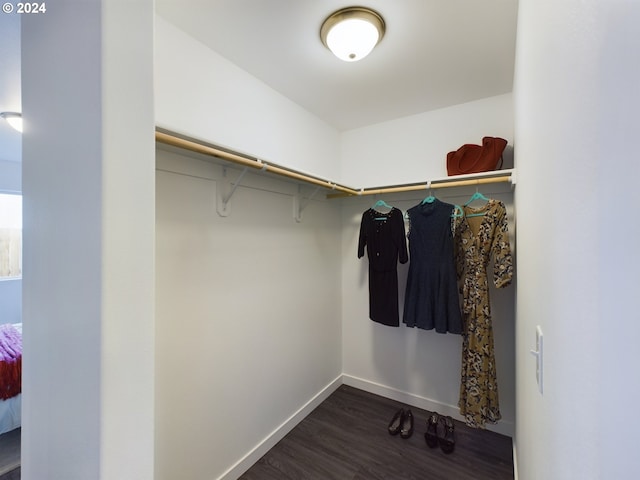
346 438
9 451
12 475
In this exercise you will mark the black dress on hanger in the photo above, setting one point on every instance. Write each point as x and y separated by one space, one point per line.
383 235
431 297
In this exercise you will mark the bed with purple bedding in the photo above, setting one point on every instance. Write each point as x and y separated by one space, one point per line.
10 376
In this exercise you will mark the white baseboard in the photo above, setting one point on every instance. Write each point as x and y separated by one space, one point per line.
504 428
279 433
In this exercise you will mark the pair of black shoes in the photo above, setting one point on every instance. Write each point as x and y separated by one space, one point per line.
443 436
402 423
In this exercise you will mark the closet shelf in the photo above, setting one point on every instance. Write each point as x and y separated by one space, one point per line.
192 145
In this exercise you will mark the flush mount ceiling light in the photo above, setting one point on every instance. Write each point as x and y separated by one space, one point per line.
14 119
351 33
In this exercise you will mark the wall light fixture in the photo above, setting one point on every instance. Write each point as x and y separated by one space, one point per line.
14 119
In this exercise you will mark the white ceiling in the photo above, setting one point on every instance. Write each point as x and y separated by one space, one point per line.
435 53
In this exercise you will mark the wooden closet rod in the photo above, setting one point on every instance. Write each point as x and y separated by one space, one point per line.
426 186
201 148
248 162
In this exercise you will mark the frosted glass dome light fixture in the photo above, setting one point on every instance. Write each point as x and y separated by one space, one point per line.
351 33
14 119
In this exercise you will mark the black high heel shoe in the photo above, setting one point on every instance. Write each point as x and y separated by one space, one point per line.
448 441
396 422
431 435
407 425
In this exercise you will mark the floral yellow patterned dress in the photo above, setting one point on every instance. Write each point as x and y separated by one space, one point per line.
483 236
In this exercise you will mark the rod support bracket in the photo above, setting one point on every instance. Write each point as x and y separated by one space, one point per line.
223 199
300 203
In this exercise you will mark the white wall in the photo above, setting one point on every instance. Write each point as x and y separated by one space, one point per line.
414 366
263 292
10 176
88 175
414 149
203 95
577 100
11 300
248 316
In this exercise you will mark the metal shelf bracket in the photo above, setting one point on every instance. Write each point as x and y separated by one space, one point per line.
223 199
300 203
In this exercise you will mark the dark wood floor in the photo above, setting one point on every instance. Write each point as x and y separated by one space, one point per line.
12 475
346 438
10 455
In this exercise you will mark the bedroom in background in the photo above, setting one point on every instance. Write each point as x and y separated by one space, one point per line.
10 329
10 253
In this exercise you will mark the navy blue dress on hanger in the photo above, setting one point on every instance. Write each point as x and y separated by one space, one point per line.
383 235
431 296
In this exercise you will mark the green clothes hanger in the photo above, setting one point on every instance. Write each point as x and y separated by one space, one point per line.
430 198
457 211
474 197
381 203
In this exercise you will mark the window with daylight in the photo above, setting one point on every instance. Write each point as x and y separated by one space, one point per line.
10 236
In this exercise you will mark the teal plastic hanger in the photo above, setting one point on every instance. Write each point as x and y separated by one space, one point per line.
457 211
430 198
381 203
474 197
